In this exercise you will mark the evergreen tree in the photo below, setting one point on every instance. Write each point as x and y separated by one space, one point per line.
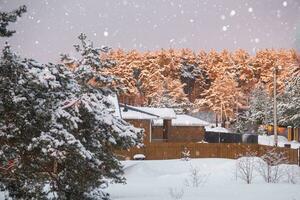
7 17
57 130
289 104
242 123
190 74
260 106
166 98
90 68
259 112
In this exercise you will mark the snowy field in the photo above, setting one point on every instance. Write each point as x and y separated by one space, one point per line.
153 180
269 140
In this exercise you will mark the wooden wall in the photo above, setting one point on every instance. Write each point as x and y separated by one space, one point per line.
161 151
179 133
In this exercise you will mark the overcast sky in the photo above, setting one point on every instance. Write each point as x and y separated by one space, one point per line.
51 27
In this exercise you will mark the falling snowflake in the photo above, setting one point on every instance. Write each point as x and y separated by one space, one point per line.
278 13
36 42
182 40
284 4
105 33
192 20
66 13
38 21
223 17
232 13
250 9
256 40
225 28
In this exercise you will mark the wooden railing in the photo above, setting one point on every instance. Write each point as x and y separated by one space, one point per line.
161 151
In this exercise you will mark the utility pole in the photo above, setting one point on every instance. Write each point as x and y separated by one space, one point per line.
221 115
275 70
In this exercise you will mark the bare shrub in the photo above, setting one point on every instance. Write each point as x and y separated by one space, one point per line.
176 193
293 174
269 166
197 177
245 166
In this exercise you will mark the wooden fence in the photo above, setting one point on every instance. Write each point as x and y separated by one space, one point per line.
161 151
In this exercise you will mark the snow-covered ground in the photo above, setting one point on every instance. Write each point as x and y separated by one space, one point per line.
269 140
153 180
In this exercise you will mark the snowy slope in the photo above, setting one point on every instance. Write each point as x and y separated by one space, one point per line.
269 140
152 180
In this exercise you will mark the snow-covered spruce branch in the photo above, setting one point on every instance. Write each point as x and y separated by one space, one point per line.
48 115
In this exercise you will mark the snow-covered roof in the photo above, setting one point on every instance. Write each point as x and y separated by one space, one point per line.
147 113
183 120
217 129
132 114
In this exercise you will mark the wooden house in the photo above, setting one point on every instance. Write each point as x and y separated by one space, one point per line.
183 128
161 124
143 117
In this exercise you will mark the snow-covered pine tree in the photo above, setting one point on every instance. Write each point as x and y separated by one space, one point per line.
190 74
289 104
58 130
222 100
259 112
90 68
242 122
7 17
171 97
260 106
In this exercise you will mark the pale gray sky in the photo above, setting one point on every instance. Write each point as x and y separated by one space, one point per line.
51 27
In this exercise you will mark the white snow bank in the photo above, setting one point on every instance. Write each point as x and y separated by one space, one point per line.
269 140
152 180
